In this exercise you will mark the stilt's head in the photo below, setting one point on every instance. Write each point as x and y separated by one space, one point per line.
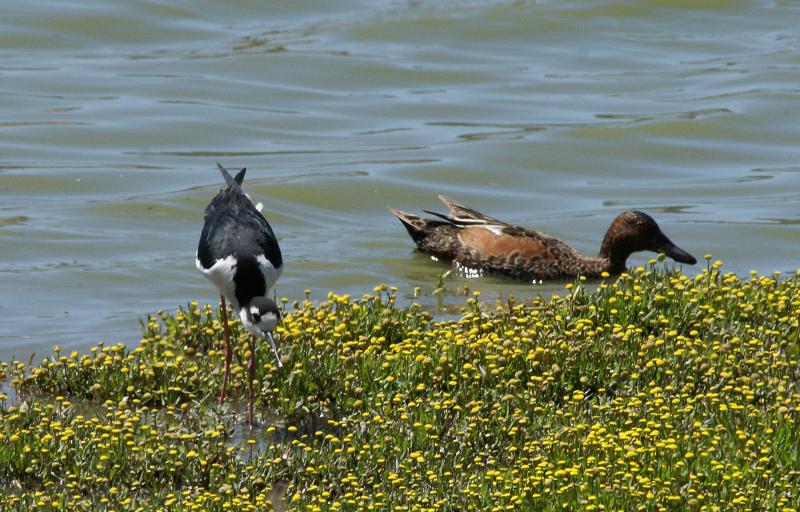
260 316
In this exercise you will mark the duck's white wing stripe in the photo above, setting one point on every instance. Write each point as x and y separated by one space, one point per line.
497 230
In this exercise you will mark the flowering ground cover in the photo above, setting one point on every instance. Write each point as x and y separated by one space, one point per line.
652 391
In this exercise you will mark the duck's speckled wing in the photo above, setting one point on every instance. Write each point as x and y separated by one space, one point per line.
515 251
478 241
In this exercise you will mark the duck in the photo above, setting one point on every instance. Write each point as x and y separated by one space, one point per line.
483 244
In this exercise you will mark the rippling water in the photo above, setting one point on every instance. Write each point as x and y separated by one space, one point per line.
554 115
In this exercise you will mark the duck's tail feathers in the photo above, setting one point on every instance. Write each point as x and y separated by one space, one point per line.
418 227
463 216
238 179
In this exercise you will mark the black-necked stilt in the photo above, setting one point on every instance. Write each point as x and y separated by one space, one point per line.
239 253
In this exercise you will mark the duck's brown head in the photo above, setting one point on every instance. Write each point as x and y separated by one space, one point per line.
634 231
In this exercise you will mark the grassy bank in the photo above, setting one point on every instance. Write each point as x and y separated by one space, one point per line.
657 391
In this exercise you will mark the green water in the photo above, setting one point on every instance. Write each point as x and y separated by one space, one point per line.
554 115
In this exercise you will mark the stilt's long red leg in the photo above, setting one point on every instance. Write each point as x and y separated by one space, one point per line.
251 373
228 349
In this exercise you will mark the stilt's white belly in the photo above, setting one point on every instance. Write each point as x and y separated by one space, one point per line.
223 270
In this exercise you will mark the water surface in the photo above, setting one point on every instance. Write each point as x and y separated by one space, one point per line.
554 115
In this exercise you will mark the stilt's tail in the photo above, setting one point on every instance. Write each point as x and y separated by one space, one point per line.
238 179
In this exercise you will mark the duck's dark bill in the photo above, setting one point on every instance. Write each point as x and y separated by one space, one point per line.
677 254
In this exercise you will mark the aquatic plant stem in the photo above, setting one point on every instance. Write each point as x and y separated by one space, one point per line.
228 349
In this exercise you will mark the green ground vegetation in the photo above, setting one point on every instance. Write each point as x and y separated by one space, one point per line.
652 391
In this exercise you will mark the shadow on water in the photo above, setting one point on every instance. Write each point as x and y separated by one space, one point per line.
271 430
